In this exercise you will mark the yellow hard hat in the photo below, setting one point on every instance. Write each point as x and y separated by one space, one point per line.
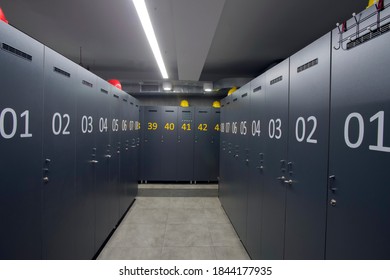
184 103
216 104
233 89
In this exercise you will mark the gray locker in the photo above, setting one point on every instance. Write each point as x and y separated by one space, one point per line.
206 144
185 144
21 98
275 164
133 146
114 150
358 225
59 169
86 131
151 160
257 136
308 151
105 204
168 146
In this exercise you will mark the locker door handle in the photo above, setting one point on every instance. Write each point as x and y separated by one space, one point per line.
46 180
107 156
289 182
281 178
260 167
93 161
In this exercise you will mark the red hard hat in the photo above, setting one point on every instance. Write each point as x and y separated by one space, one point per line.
115 83
2 16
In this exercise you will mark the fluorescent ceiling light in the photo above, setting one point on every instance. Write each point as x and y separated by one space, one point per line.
208 87
143 15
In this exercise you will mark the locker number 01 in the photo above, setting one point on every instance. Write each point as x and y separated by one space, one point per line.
9 131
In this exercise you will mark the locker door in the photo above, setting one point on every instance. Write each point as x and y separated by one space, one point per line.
21 97
115 148
168 146
358 196
257 134
126 192
105 204
142 151
214 149
203 153
86 134
308 151
275 165
223 192
137 136
152 143
59 142
185 144
133 147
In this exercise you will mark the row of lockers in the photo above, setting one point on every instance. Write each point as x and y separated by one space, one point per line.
179 144
305 149
69 153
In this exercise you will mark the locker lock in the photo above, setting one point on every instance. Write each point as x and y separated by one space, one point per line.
46 180
333 202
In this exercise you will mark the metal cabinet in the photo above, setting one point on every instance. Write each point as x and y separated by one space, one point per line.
275 161
185 144
358 226
59 166
257 136
168 145
21 106
308 151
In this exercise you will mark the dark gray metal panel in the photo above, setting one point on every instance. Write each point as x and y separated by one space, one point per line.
59 142
185 144
275 164
168 146
152 143
21 97
215 134
257 132
205 156
105 204
142 150
86 125
308 151
115 148
358 197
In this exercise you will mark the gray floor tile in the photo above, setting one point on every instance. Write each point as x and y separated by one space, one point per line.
186 216
187 235
231 253
224 235
123 253
211 202
188 253
146 216
138 235
216 216
186 202
153 202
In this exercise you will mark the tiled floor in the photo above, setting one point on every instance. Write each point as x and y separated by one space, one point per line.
175 228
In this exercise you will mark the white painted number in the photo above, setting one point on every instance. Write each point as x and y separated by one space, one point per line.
87 124
12 133
56 124
115 125
361 130
275 128
103 125
256 128
234 127
26 115
124 125
243 129
302 124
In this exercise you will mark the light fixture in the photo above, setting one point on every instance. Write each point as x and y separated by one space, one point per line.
143 15
208 87
167 86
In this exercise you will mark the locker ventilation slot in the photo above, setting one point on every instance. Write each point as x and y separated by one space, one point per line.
116 96
62 72
244 95
218 112
124 100
277 80
228 103
203 112
131 103
17 52
186 111
169 111
257 89
104 91
369 36
152 111
88 84
136 106
235 99
222 105
307 65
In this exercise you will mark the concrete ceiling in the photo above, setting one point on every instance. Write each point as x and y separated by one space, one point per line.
205 40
